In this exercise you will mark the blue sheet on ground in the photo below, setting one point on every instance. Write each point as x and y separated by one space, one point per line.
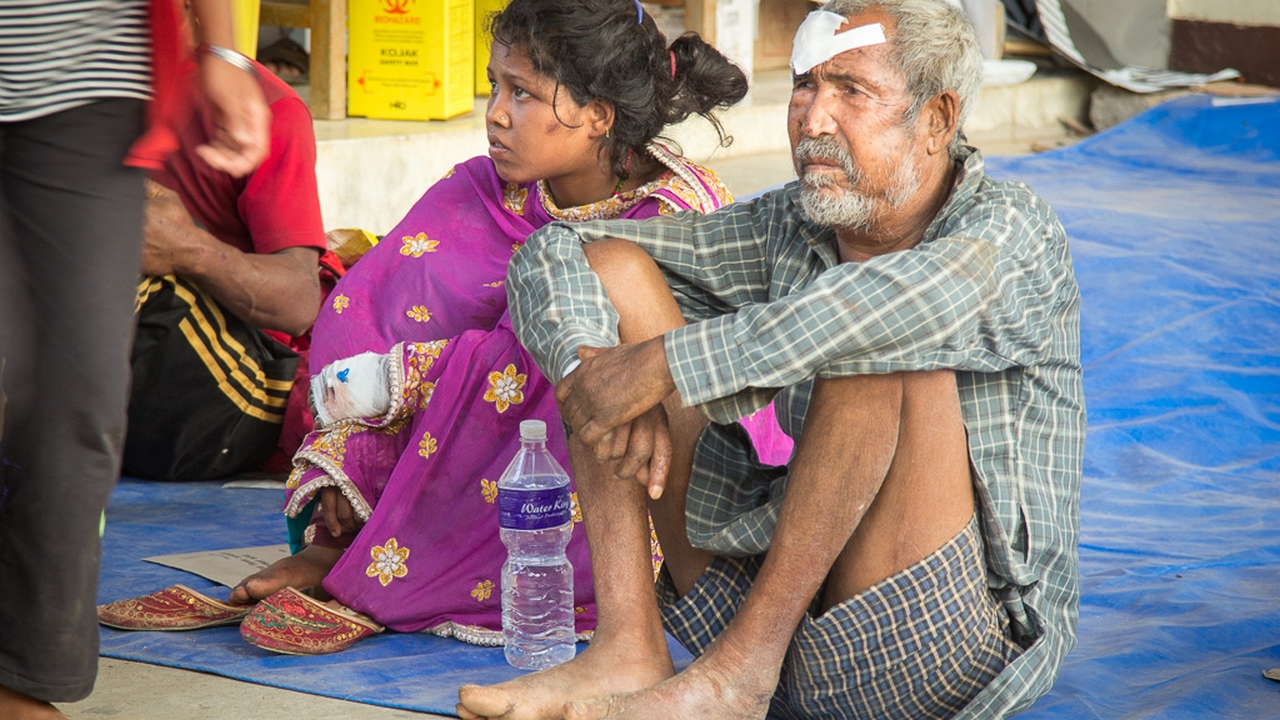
1174 219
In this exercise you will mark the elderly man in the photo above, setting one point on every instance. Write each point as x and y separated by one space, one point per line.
917 324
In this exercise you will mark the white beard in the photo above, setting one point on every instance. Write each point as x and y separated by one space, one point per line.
851 208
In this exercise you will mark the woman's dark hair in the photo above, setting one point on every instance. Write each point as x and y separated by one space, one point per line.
609 49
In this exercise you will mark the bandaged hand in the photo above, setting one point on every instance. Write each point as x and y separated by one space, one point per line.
354 387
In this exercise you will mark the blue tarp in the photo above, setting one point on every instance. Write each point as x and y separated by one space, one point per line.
1174 219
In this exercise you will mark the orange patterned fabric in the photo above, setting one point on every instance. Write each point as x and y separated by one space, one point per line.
175 608
295 624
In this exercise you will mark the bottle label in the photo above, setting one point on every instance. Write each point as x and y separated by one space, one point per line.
533 509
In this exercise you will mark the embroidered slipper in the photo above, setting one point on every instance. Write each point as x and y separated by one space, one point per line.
292 623
174 608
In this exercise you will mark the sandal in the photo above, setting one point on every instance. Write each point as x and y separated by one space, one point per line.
292 623
287 60
177 607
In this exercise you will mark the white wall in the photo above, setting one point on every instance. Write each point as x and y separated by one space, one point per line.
1235 12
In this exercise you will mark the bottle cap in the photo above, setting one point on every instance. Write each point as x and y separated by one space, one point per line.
535 430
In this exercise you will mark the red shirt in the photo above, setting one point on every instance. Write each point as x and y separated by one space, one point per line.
275 207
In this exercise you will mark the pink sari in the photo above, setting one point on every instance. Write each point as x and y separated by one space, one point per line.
424 476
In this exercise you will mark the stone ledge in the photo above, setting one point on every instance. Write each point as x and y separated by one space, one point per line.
372 171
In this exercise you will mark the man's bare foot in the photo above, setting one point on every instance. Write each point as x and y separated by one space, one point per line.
16 706
708 689
599 670
302 571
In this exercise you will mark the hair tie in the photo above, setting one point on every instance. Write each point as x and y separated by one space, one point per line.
672 53
639 12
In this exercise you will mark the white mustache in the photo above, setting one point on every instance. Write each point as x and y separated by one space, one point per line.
824 147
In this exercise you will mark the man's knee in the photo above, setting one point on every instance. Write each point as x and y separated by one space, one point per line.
636 288
891 393
939 383
621 264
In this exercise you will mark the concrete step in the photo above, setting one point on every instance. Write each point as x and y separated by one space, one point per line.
371 172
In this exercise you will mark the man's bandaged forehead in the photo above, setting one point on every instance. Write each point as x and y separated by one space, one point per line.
819 39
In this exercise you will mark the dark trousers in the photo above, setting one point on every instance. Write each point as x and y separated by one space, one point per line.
70 247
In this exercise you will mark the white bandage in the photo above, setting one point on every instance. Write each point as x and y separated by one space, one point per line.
819 39
354 387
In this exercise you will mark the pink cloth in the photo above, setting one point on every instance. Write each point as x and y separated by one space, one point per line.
424 476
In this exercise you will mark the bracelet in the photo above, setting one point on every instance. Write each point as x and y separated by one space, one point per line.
228 55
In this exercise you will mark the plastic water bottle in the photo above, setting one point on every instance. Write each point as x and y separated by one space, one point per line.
537 579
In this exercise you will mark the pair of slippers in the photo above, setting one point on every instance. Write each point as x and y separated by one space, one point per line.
287 621
287 60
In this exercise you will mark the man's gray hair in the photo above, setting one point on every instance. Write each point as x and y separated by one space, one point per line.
934 46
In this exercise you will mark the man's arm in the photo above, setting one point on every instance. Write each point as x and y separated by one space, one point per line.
984 296
957 302
558 304
278 291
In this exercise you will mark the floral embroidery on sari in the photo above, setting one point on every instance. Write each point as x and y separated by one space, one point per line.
324 457
496 283
340 303
610 207
655 548
489 490
429 349
427 445
682 187
417 393
418 244
418 313
506 388
332 443
514 197
574 508
483 590
388 562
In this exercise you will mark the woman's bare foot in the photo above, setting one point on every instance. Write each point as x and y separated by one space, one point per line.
713 687
16 706
601 669
302 571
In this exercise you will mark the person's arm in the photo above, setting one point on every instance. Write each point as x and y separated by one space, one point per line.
278 291
239 139
956 302
558 304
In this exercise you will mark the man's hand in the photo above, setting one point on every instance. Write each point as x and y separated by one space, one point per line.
603 401
644 447
171 239
339 516
241 134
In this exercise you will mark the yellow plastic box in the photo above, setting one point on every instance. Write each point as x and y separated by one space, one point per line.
410 59
484 8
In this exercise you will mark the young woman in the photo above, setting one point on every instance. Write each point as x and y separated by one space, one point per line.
406 528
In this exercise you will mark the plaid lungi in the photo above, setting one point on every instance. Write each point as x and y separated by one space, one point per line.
919 644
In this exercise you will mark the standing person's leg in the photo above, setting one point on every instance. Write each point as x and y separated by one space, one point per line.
73 222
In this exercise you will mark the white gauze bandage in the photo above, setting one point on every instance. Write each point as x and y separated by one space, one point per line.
819 39
354 387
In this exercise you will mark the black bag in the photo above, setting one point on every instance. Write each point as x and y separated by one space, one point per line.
209 391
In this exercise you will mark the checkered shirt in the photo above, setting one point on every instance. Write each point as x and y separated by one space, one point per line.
989 292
